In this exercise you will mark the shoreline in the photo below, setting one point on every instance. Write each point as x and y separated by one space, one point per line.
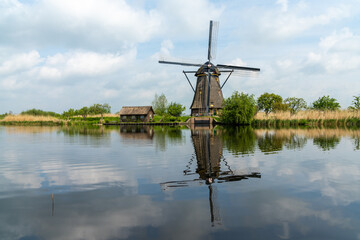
256 123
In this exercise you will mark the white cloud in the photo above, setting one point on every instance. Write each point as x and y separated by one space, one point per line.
188 18
19 62
102 25
337 52
294 22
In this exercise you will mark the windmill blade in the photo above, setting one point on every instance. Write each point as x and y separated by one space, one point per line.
238 67
213 36
245 74
181 63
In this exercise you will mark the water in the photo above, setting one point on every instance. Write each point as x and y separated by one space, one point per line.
170 183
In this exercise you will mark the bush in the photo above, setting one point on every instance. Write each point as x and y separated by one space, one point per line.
38 112
240 108
175 109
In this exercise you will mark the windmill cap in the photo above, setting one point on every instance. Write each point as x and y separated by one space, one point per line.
206 67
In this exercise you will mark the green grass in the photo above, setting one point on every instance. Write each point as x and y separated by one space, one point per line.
169 119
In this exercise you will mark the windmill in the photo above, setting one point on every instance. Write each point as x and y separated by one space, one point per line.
208 97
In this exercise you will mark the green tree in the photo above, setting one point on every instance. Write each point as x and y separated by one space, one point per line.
175 109
160 104
69 113
240 108
325 103
270 102
83 112
99 109
356 103
295 104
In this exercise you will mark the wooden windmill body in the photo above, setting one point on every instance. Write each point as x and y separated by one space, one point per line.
208 98
202 96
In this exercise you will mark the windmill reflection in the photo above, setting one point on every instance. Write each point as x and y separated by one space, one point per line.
209 157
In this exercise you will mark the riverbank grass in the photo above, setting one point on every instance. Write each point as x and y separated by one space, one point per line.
340 118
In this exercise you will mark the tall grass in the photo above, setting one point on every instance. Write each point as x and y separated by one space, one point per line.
309 115
29 118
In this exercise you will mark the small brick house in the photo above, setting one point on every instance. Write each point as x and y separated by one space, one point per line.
136 114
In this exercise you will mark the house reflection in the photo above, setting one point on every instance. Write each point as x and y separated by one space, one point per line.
209 157
136 132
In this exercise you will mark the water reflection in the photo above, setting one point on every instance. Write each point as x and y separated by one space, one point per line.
136 132
164 136
208 148
357 143
274 140
239 140
326 143
87 135
270 142
103 188
295 142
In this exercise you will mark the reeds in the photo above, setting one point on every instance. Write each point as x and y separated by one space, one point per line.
341 118
309 115
29 118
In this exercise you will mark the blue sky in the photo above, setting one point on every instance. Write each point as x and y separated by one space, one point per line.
56 55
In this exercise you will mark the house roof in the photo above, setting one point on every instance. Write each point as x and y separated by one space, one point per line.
140 110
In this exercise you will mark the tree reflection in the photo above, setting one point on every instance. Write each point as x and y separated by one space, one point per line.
88 135
239 140
326 143
269 142
94 131
165 135
356 143
295 142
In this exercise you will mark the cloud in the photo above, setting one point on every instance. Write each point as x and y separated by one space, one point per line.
337 52
292 23
188 19
101 25
19 62
108 50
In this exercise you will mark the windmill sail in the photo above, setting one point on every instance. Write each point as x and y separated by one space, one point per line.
213 33
208 98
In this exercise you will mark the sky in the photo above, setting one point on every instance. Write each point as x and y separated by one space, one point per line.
62 54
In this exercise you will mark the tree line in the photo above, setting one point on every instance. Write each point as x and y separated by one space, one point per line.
240 108
85 111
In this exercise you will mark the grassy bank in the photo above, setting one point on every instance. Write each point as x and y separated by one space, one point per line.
343 118
30 120
330 119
